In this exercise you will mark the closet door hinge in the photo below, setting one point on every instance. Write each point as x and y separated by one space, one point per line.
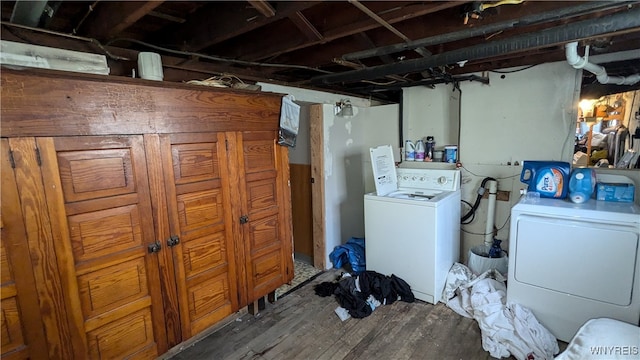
12 160
38 158
226 144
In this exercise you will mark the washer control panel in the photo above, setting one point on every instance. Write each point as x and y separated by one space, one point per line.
429 179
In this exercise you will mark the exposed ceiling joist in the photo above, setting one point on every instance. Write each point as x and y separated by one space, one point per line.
484 30
607 25
305 26
113 17
293 41
263 8
211 26
422 51
280 46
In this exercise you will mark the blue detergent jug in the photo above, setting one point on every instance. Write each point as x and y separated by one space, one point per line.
549 178
582 185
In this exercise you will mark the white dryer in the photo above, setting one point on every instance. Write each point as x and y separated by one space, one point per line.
412 226
569 262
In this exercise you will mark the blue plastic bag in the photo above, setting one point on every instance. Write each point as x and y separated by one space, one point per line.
352 253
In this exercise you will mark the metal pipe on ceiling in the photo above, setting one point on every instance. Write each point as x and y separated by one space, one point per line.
607 25
486 30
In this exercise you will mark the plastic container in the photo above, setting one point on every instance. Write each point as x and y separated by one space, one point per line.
582 185
451 153
479 260
150 66
409 151
437 155
548 178
420 154
429 151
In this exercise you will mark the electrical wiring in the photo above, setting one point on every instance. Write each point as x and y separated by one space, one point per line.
91 40
485 6
215 58
513 71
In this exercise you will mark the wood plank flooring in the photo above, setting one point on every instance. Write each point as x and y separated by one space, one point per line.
302 325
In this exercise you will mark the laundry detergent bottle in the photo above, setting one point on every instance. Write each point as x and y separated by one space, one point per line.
582 185
409 151
549 178
420 150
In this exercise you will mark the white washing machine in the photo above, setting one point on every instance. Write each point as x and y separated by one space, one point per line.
412 228
569 262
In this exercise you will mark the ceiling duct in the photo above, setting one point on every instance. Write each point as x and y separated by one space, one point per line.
554 36
28 12
579 62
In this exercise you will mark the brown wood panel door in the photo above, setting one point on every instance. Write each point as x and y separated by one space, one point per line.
197 188
21 327
104 221
301 209
264 220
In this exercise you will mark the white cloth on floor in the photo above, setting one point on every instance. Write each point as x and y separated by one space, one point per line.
507 329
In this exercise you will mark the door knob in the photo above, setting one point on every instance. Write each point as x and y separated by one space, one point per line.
244 219
173 241
154 248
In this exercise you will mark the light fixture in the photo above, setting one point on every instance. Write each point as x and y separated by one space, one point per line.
343 108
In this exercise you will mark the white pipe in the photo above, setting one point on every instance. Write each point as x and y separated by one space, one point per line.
578 62
491 212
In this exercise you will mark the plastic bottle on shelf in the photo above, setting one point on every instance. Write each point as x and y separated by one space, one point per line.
409 151
431 144
420 154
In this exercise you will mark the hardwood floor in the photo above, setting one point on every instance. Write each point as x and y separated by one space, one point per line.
302 325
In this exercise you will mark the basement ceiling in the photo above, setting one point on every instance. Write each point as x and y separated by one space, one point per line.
364 48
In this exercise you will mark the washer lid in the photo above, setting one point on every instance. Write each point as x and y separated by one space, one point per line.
384 170
407 195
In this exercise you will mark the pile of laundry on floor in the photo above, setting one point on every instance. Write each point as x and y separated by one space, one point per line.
359 295
507 328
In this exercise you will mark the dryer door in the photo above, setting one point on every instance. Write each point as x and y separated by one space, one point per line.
591 260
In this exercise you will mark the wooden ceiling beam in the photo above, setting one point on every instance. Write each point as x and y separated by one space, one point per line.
302 23
278 46
263 8
210 26
113 17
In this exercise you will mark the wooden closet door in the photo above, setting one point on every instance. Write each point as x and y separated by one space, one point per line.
264 221
197 187
103 215
22 328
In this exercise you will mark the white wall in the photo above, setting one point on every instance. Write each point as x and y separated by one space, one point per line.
525 115
430 112
347 171
347 167
300 154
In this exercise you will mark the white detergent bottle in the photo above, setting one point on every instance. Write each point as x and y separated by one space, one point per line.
420 150
409 151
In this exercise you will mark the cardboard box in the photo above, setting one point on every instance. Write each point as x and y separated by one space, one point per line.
618 192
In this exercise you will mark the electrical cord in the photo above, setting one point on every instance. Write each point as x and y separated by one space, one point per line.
513 71
475 205
215 58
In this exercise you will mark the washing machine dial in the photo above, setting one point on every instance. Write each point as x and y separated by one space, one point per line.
442 180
